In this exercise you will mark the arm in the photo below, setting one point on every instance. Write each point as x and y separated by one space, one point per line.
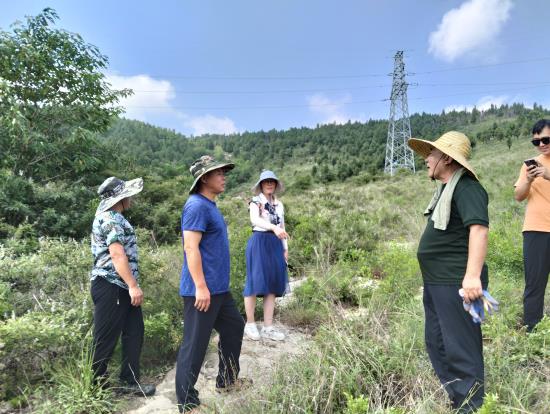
122 267
257 221
477 250
194 263
523 185
285 241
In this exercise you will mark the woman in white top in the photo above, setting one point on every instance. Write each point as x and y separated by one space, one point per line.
266 256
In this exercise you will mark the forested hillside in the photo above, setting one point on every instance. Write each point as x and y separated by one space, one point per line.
353 238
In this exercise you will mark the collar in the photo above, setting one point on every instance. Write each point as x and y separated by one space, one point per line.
263 199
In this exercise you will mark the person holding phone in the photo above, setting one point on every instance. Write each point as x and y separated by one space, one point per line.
533 185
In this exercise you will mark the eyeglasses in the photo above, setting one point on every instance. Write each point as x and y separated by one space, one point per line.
545 140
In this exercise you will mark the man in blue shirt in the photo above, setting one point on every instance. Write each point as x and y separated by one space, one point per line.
204 286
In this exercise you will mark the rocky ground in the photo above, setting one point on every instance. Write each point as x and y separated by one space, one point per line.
259 359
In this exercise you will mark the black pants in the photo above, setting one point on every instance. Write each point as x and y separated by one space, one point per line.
454 346
222 316
114 315
536 260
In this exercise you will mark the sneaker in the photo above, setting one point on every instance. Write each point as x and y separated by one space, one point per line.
251 331
142 390
240 384
269 332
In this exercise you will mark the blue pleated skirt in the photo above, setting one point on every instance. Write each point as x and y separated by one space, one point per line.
266 269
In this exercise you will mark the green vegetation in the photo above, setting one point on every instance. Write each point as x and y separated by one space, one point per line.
353 230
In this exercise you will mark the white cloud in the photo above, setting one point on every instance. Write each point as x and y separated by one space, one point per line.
153 99
331 110
209 124
482 104
471 27
150 95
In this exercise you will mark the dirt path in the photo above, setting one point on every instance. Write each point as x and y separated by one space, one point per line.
258 361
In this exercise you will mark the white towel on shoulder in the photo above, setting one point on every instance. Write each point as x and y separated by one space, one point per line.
440 203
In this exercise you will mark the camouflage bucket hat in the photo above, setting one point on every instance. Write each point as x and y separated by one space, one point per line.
204 165
113 189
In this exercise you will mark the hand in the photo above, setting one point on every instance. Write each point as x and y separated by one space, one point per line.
537 171
472 288
531 173
202 299
136 295
280 233
286 255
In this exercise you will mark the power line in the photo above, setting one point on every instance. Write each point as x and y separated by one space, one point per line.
351 102
350 76
349 88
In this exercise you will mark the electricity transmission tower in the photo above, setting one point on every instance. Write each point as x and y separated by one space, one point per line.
398 154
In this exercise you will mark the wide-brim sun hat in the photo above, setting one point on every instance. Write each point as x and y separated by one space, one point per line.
113 189
268 175
453 143
203 166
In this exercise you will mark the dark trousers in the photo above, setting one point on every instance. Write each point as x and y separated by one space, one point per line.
222 316
536 260
454 346
114 315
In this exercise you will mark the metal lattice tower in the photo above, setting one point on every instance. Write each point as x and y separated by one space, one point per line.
398 154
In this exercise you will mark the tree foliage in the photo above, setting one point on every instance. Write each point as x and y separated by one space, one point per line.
54 98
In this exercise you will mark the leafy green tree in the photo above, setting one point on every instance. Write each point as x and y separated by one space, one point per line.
54 99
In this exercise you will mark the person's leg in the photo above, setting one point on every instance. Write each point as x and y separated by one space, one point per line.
197 328
132 342
434 340
536 259
109 317
269 309
249 308
230 326
463 349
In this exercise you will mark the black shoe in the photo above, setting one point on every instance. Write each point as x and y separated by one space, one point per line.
143 390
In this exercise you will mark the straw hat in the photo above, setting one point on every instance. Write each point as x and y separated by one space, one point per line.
204 165
454 144
268 175
113 189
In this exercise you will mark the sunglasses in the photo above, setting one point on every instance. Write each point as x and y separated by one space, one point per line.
545 140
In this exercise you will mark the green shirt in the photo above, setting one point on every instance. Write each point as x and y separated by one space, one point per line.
443 254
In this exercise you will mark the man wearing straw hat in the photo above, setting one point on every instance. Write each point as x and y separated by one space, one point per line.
204 286
115 287
451 254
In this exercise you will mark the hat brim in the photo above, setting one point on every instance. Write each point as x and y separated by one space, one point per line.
423 147
226 166
131 188
257 188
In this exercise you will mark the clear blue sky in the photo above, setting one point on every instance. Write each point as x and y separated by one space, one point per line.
225 66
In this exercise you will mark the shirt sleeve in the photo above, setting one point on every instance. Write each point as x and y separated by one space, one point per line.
255 218
285 241
472 203
194 218
112 231
522 175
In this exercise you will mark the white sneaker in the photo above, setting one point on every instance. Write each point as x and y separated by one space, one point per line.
251 331
269 332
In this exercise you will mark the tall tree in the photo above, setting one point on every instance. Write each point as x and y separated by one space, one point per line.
54 99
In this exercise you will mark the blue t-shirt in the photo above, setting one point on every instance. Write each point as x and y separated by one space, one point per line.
201 214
